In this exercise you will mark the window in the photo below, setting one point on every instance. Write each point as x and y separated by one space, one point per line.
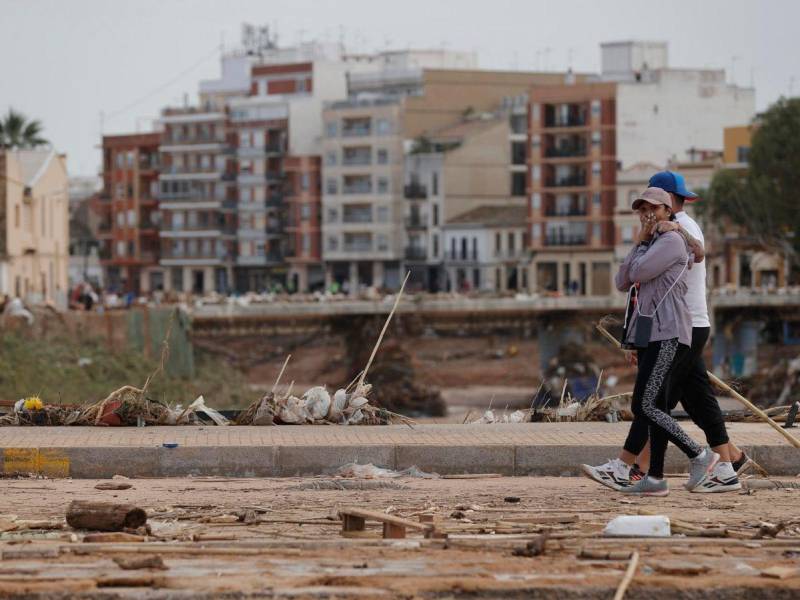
177 220
535 112
383 214
305 243
131 249
498 243
742 154
536 202
119 189
120 248
131 218
627 233
512 238
330 186
176 275
596 232
435 240
596 168
536 232
305 182
536 172
382 156
383 185
435 183
595 107
536 141
596 137
330 158
331 129
435 215
332 216
474 248
383 127
333 243
302 85
305 211
383 242
120 219
517 184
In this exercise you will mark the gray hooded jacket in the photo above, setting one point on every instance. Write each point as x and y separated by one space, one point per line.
656 267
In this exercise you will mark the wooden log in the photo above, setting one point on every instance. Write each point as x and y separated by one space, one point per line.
104 516
116 537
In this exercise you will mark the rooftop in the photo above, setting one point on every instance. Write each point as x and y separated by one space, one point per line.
507 215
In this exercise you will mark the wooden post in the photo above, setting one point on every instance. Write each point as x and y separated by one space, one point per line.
104 516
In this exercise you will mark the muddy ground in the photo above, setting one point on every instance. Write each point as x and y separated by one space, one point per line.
282 538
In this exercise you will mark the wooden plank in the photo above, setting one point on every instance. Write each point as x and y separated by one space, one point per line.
392 531
384 518
353 523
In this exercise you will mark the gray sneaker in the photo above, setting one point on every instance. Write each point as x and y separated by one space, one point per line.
699 466
648 486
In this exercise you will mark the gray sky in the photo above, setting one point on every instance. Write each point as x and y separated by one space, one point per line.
65 61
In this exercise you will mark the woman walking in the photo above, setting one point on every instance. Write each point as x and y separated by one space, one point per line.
660 330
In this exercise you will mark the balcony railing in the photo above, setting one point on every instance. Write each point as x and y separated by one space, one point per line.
415 253
198 138
415 191
469 256
572 121
569 212
359 188
275 148
417 222
356 131
566 151
358 247
565 240
356 160
568 181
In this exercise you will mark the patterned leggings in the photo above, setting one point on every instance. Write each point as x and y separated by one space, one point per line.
650 404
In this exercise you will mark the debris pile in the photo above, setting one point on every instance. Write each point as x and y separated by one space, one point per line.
595 408
572 367
774 386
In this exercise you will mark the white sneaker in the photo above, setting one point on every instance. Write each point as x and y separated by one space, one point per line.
722 478
615 474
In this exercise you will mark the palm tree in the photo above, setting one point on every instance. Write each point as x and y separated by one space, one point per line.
16 132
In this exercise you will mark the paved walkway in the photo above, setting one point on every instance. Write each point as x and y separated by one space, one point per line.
511 449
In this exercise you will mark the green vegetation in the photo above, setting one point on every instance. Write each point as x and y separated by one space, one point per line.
17 133
764 200
50 368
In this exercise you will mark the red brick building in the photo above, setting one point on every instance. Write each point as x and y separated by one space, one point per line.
129 213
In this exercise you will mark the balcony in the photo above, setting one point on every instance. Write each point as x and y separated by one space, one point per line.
566 150
417 222
415 191
570 121
276 148
356 160
563 239
357 188
361 128
416 253
357 247
468 256
567 181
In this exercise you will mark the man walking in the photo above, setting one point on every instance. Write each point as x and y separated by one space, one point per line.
688 381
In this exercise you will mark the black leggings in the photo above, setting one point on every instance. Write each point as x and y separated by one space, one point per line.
688 384
649 404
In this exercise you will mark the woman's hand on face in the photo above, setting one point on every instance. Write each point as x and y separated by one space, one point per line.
648 221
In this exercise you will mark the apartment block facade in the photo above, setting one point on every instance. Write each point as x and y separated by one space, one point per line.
584 137
34 226
198 200
129 216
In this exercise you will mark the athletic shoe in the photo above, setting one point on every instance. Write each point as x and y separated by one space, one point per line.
648 486
722 478
615 474
699 466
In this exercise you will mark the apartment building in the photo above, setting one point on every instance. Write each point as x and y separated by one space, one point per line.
304 223
128 212
34 226
583 136
414 112
486 249
197 197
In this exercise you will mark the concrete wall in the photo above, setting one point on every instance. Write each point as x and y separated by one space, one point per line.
681 109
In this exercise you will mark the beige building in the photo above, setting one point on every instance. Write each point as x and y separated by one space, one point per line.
34 226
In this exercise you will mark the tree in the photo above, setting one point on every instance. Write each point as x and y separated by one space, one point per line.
765 200
16 132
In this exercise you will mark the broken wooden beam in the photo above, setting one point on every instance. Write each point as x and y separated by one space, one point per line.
104 516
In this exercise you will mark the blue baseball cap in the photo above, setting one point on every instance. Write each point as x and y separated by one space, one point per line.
669 181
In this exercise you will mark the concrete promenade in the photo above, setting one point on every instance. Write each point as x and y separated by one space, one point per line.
510 449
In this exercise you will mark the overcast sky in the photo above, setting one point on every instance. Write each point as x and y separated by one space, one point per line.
66 61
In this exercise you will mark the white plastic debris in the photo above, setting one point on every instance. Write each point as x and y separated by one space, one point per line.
638 526
357 402
199 405
338 405
15 308
293 410
516 417
318 402
84 361
356 418
570 410
370 471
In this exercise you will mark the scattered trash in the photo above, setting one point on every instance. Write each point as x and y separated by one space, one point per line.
638 526
511 499
170 444
84 361
533 548
370 471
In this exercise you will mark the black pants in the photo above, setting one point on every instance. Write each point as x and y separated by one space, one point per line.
649 404
688 384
